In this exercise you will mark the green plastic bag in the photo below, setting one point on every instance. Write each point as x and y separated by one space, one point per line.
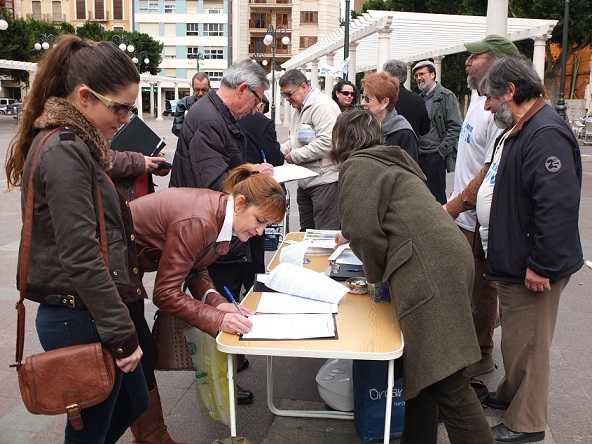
211 368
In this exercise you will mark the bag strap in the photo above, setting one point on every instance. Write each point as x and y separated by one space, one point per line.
26 246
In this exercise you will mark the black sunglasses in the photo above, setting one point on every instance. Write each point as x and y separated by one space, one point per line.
348 93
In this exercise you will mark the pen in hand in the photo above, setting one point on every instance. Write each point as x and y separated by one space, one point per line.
232 300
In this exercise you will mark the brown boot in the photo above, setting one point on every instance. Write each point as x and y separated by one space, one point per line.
150 428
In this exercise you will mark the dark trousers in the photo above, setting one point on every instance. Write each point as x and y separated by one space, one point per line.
106 422
233 275
318 207
434 167
456 403
136 310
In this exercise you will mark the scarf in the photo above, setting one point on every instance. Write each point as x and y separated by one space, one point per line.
58 112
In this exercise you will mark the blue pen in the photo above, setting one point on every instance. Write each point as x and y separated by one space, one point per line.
231 299
263 156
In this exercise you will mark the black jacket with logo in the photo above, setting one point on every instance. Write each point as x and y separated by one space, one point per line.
533 221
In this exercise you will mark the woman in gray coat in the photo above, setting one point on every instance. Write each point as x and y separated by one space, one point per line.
405 238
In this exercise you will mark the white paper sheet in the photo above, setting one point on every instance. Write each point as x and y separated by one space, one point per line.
294 253
290 171
286 303
291 326
343 254
300 281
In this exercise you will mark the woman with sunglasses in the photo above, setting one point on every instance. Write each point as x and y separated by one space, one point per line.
345 95
82 93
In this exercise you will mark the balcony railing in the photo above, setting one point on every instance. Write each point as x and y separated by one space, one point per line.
272 3
48 17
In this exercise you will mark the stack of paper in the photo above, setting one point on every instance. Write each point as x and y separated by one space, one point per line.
344 263
287 303
293 326
290 171
322 242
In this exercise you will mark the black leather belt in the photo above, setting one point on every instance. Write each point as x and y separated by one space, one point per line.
63 300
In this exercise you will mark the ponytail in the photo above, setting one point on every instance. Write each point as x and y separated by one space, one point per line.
258 189
71 62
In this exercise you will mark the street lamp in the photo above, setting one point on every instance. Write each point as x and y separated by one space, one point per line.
143 59
199 56
271 38
259 55
121 41
44 42
3 24
561 107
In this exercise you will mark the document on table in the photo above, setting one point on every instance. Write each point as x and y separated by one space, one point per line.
294 253
300 281
291 326
343 254
286 303
289 172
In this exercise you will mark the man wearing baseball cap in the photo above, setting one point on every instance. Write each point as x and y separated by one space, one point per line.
475 147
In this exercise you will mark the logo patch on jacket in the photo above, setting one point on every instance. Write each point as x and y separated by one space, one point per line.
552 164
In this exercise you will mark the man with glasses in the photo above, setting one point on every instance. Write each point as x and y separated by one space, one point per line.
309 145
210 145
201 85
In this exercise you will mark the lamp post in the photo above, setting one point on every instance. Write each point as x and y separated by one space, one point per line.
271 39
346 37
259 55
142 61
561 107
121 41
3 24
44 42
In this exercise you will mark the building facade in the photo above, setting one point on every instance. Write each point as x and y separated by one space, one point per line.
303 21
114 15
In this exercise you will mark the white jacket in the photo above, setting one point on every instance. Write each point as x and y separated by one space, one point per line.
310 138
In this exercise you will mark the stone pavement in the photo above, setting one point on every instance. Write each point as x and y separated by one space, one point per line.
571 379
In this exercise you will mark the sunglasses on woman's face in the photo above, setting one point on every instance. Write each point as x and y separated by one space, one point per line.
347 93
121 109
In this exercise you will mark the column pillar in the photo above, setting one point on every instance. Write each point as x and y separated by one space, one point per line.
384 48
408 80
438 63
278 98
351 67
151 100
497 17
176 91
139 102
158 101
329 80
538 55
314 74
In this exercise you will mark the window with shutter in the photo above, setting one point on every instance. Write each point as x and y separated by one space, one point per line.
117 9
80 9
99 9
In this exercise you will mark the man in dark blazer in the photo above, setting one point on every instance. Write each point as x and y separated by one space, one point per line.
409 105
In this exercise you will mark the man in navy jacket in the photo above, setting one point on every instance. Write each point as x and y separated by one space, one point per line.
528 207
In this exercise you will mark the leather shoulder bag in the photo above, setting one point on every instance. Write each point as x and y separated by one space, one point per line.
68 379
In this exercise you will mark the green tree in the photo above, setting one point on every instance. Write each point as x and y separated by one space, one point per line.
92 31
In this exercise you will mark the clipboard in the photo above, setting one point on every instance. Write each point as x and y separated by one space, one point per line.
139 137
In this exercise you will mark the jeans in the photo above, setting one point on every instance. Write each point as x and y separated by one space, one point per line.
106 422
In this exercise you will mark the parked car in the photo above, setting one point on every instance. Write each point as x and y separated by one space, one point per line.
4 103
14 109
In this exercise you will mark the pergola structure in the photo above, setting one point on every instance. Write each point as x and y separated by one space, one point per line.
146 81
378 36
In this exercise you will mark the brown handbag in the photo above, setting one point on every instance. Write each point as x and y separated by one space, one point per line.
67 379
171 346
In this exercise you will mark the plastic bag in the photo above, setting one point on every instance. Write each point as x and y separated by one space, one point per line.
211 368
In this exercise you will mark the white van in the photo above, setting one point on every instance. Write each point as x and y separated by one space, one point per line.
4 102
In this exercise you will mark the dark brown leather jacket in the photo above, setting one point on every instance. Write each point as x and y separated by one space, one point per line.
65 254
176 233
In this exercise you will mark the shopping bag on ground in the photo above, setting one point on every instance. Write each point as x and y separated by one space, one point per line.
210 373
370 386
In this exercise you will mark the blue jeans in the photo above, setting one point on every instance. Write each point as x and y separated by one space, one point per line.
107 421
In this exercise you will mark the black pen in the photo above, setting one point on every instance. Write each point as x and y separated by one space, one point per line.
232 300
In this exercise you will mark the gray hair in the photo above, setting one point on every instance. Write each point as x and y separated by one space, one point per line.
292 77
518 71
396 68
247 72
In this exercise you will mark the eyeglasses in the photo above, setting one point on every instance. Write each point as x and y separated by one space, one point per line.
347 93
259 98
288 94
121 109
366 98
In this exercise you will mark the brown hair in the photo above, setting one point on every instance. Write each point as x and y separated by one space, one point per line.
354 130
259 189
382 86
71 62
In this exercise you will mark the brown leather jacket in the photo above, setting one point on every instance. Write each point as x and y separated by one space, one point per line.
176 231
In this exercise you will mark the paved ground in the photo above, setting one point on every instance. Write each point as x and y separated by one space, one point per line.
571 379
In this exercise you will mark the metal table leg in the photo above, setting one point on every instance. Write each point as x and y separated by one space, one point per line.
231 396
389 401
